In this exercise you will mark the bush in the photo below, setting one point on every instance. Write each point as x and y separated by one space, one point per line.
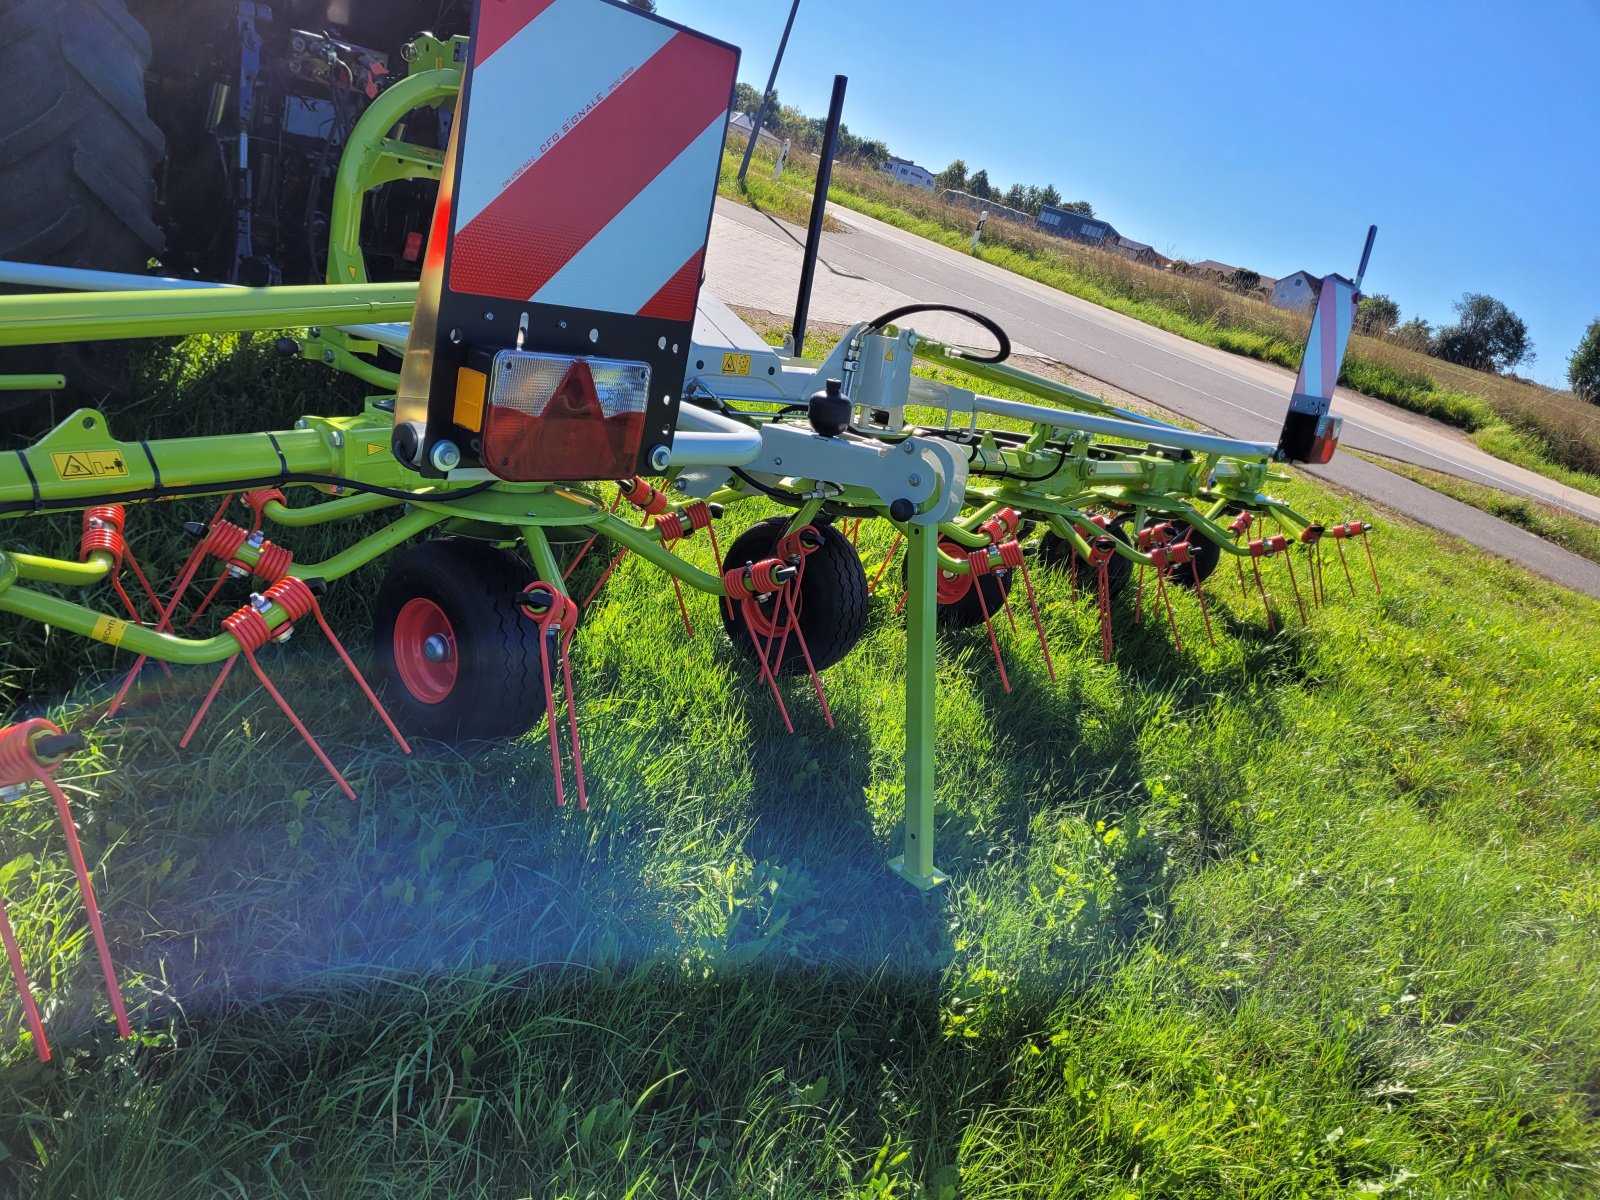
1583 368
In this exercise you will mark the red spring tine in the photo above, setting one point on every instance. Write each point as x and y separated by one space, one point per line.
1200 594
1255 563
29 1008
355 673
1013 553
1371 562
1103 568
805 651
86 889
1288 561
887 559
1338 542
205 705
550 715
601 582
572 719
988 621
1166 599
299 727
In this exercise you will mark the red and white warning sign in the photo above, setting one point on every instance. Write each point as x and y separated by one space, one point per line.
590 158
586 157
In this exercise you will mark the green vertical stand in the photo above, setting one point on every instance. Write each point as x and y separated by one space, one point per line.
916 864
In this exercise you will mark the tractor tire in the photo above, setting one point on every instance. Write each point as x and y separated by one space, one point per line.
484 678
1056 551
78 155
832 600
77 150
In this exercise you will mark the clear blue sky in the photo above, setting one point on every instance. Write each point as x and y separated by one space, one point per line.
1266 135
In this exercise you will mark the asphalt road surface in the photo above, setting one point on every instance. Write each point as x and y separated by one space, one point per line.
754 260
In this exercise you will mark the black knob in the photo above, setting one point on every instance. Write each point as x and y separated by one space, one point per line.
287 347
195 529
53 746
407 441
829 410
902 509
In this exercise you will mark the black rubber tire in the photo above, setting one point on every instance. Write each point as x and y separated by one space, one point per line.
78 157
77 150
967 611
1056 551
499 685
833 596
1204 553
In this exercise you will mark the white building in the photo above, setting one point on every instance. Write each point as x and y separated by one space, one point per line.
903 170
1296 291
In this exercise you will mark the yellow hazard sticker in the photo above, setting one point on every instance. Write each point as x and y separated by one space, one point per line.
736 364
374 448
90 464
109 630
888 355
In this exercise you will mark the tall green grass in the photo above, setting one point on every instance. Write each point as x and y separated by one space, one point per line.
1299 915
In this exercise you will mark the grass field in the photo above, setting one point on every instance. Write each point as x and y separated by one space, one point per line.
1544 430
1313 914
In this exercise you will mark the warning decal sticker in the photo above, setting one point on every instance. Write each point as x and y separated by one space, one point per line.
90 464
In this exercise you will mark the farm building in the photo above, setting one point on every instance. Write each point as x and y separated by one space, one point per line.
903 170
1295 291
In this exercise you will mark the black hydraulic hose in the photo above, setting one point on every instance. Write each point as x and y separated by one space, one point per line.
894 314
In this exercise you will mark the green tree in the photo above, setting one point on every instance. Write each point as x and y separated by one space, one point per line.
873 150
1376 314
1416 334
649 6
1583 368
1488 336
1049 195
979 185
746 99
1016 197
1082 207
953 177
1242 280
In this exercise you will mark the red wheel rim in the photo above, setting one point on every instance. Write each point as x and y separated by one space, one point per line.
951 587
425 651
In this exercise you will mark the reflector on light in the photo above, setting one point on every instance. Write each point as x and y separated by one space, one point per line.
555 417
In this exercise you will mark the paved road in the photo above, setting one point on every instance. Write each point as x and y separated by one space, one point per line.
871 267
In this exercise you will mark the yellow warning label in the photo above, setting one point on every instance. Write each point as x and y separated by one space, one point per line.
372 449
109 630
90 464
889 355
736 364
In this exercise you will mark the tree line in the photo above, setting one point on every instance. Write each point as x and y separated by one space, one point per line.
786 121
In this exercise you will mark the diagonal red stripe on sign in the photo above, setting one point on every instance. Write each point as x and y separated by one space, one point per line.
501 20
675 300
550 212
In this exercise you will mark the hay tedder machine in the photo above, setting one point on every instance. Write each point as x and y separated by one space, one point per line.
561 366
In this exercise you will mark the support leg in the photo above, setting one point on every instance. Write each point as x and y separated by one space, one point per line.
916 864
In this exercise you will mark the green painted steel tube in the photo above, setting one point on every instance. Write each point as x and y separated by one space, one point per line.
362 166
97 316
544 559
641 543
136 639
916 864
32 383
341 509
36 569
354 557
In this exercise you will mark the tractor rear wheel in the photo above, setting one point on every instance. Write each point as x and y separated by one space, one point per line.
78 154
461 660
1204 553
832 603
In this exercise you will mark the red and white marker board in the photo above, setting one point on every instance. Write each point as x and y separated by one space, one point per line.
591 137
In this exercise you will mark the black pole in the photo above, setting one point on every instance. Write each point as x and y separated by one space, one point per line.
766 96
819 206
